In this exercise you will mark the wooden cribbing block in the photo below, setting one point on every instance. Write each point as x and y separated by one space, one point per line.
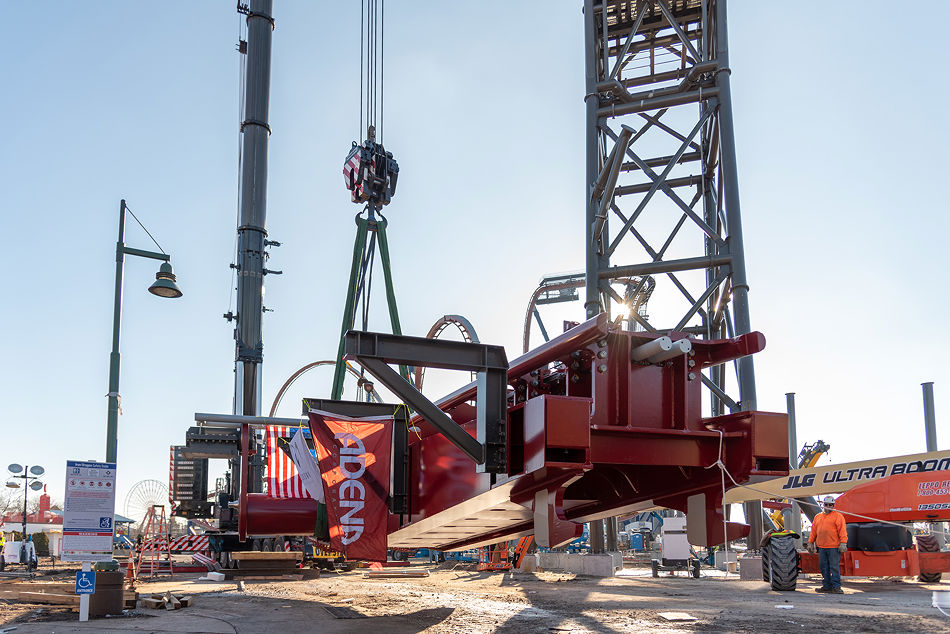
251 555
392 574
51 598
257 564
27 586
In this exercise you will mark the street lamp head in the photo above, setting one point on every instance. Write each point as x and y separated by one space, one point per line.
13 485
36 485
164 285
37 470
15 468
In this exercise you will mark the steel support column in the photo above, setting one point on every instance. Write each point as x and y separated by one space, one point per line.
657 92
251 228
930 432
597 537
592 303
252 238
796 520
740 285
613 534
930 418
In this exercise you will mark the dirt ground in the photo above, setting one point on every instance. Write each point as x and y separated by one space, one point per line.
456 599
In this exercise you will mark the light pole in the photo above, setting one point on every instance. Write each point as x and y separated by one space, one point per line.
164 286
23 473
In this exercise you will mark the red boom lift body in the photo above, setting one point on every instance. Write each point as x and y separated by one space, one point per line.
878 548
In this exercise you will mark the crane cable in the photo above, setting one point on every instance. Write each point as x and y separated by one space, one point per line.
371 85
372 65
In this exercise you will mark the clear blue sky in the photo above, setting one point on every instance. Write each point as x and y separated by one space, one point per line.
842 155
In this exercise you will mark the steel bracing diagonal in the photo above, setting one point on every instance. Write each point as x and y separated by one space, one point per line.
662 198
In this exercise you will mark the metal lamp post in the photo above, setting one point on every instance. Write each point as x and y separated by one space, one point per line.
164 286
19 472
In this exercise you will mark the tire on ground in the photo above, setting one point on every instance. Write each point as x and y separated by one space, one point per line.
928 544
782 563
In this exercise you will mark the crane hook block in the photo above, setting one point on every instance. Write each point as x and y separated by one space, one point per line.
370 173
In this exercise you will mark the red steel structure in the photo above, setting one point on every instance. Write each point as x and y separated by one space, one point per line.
591 433
591 429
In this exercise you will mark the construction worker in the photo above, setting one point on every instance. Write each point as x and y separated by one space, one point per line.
829 534
3 543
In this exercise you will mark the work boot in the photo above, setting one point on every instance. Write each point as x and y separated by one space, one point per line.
836 591
822 589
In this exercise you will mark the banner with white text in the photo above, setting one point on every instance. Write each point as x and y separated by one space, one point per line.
354 459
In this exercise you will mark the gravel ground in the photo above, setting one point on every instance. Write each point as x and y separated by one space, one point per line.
456 599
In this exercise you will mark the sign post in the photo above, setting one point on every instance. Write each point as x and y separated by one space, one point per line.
85 585
88 515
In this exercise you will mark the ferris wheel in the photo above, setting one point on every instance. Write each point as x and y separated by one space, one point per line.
142 496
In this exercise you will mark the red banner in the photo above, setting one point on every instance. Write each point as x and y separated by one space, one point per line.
354 458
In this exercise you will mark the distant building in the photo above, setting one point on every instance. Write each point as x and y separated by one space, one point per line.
50 521
43 521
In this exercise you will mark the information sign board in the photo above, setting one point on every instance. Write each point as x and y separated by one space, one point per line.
89 511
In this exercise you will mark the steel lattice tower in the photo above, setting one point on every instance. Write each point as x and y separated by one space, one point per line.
662 196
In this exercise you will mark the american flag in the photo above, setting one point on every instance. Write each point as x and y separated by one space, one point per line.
282 478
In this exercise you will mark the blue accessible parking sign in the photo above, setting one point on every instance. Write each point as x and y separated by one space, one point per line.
85 582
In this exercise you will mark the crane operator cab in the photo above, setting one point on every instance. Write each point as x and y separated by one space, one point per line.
370 172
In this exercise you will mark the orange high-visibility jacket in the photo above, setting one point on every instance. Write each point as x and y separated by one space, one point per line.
828 530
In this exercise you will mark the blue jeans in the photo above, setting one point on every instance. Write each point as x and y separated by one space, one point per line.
829 562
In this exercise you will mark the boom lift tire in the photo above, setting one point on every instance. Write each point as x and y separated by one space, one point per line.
780 567
928 544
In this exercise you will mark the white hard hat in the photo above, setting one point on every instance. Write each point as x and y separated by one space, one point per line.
828 501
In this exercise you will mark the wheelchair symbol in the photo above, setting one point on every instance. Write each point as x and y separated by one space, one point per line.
84 582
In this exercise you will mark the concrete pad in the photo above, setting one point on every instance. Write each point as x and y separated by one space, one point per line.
750 569
529 563
617 557
604 565
723 558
